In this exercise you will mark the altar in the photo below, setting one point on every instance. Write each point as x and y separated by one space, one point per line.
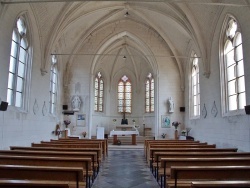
125 127
123 133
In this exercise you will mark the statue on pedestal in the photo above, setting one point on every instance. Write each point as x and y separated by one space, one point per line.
76 103
170 105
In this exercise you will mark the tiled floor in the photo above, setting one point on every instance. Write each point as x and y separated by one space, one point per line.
125 169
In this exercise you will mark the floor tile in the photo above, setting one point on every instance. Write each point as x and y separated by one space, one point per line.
125 169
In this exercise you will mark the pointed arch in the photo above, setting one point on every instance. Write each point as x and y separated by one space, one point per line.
53 85
194 102
149 93
233 93
99 92
124 95
20 63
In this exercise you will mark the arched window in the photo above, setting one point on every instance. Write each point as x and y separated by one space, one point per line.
149 95
234 94
18 67
195 88
124 95
99 88
53 84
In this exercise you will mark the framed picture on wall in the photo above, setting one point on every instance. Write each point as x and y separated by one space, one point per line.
165 121
81 120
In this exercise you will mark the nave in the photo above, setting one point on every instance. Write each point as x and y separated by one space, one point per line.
125 169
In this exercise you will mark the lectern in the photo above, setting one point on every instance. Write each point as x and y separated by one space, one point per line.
100 132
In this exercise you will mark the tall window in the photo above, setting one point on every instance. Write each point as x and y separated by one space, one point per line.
234 79
149 89
18 64
53 84
124 95
195 88
99 87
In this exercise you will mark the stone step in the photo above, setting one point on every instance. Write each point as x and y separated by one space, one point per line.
128 139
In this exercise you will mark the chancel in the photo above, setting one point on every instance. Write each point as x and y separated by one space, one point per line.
123 71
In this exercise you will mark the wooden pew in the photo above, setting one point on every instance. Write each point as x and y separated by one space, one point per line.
103 141
151 151
167 163
68 145
162 144
148 142
92 155
83 163
32 183
220 184
192 173
97 150
177 146
69 175
159 155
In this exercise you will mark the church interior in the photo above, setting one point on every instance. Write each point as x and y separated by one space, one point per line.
158 69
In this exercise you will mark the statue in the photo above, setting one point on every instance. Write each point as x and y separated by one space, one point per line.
170 105
76 103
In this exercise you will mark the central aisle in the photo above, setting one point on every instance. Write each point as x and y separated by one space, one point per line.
125 169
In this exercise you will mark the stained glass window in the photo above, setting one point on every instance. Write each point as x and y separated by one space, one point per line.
149 95
124 95
99 92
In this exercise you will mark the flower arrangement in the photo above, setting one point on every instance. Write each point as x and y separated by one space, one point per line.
183 132
163 135
176 124
84 133
137 126
67 122
114 120
133 121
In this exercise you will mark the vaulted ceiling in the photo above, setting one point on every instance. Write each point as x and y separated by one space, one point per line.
66 26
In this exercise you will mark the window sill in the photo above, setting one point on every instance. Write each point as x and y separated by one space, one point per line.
16 109
234 113
194 117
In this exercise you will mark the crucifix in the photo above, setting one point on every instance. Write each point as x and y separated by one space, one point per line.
124 120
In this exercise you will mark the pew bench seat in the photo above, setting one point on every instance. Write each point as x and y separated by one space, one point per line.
7 183
220 184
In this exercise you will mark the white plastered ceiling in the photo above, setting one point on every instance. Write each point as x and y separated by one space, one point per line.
66 27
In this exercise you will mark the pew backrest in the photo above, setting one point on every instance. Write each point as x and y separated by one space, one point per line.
21 172
97 150
209 173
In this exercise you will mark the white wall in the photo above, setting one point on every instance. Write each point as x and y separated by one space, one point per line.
165 72
17 127
230 131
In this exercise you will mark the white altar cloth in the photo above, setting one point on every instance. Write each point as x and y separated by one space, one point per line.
112 133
